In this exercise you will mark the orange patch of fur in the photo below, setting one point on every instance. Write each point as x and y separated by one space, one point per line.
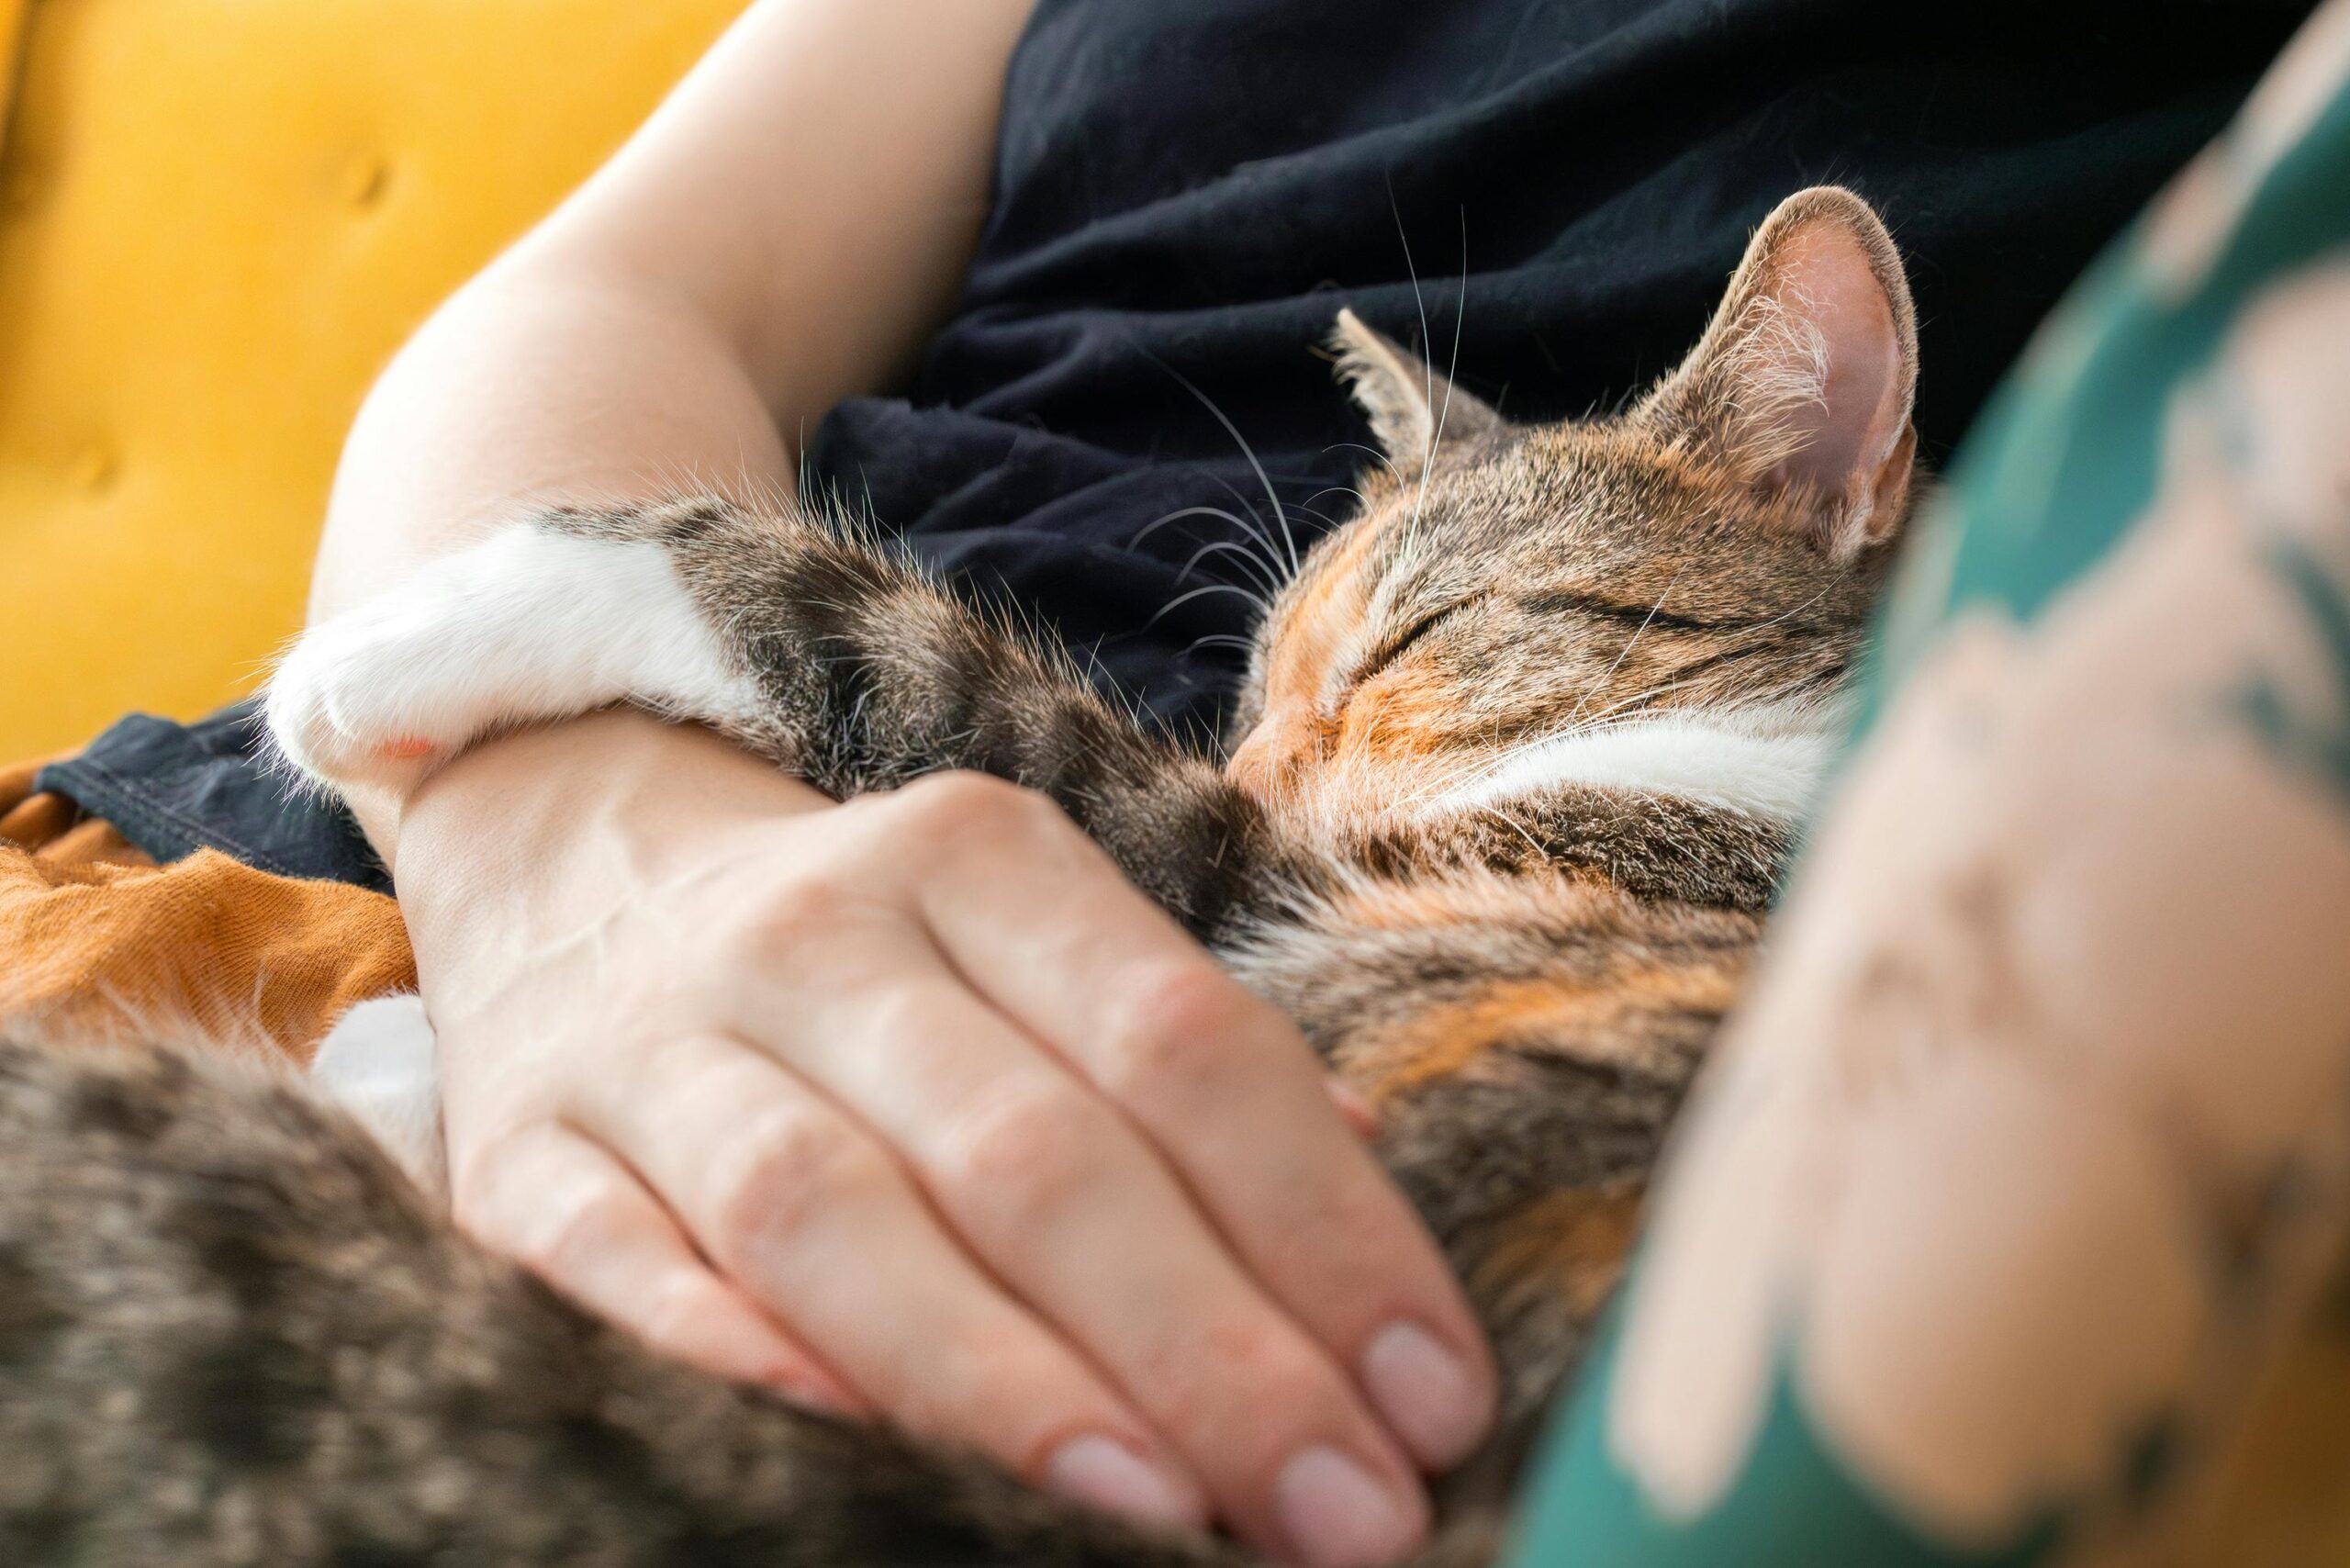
1572 1244
1446 1041
1401 906
1399 715
1293 734
1317 624
1563 894
1597 1018
1594 1022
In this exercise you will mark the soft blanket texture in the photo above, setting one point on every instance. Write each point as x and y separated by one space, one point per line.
98 942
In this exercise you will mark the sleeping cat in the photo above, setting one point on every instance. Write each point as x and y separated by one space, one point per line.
1521 754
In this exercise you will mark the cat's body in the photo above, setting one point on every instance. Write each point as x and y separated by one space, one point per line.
1520 759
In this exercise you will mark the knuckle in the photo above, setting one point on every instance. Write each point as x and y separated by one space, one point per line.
506 1193
796 1166
1257 1348
587 1226
1241 1370
801 906
1027 1157
785 917
1173 1029
954 807
672 1310
1011 1392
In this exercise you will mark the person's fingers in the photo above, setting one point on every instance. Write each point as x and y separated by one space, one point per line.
1217 1079
800 1203
1060 1197
1354 1105
569 1212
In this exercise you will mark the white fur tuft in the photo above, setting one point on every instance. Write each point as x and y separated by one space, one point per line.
379 1063
1767 761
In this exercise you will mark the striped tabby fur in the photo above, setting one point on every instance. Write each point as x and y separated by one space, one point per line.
1513 782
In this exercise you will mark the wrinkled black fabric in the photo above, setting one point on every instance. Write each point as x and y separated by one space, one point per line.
1187 191
173 789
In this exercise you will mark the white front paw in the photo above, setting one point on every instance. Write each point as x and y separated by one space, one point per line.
367 697
528 625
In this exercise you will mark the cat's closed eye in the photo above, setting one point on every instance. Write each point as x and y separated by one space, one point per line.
1387 653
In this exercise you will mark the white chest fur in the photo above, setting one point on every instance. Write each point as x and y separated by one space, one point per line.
1767 762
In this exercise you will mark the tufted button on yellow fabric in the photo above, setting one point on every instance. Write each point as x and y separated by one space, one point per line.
365 181
217 219
95 469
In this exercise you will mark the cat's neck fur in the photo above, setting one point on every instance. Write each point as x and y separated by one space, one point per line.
1767 761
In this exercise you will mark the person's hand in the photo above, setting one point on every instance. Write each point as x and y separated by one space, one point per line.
914 1106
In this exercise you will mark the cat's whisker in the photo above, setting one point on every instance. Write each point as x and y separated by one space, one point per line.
1491 766
1476 771
1263 478
1247 528
1783 615
1272 584
1627 709
1333 490
1385 461
1470 771
1254 527
1460 321
1182 599
1427 367
1515 826
1222 640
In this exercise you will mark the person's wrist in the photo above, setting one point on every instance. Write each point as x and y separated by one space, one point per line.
568 815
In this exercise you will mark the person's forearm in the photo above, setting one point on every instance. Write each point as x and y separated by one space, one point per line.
537 383
532 388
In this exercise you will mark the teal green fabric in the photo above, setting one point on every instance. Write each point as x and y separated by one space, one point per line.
1794 1503
2064 462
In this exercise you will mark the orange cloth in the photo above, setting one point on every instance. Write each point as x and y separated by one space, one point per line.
96 941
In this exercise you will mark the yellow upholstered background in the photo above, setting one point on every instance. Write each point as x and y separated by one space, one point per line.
217 219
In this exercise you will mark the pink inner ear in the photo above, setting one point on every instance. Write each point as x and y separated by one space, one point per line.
1824 277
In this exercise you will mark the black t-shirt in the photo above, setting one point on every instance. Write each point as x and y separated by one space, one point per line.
1186 191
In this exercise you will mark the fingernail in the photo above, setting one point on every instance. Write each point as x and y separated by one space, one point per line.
1337 1516
1107 1475
1427 1394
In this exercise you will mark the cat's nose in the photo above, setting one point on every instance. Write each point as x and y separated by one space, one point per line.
1274 756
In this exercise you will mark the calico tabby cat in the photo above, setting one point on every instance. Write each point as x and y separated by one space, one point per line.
1516 769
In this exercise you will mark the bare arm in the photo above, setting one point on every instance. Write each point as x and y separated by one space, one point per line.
704 1062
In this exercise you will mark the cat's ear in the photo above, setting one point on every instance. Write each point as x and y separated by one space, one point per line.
1804 379
1413 411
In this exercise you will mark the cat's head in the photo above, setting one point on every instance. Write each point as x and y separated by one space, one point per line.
1710 553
